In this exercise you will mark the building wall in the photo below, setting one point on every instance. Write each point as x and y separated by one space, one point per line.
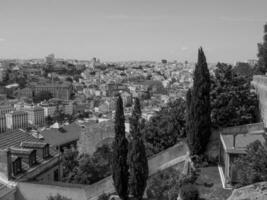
34 191
260 84
2 123
49 111
16 120
36 116
9 196
61 92
6 109
49 175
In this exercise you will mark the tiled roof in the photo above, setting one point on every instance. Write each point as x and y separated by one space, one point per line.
55 137
14 139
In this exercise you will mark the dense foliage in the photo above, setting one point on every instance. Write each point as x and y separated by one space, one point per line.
189 192
87 169
198 107
41 96
165 128
167 184
252 167
232 102
58 197
103 196
138 165
120 172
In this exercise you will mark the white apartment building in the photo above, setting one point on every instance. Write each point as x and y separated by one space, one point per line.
16 119
36 115
6 109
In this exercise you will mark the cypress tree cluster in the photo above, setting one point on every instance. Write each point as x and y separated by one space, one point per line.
198 107
120 168
138 165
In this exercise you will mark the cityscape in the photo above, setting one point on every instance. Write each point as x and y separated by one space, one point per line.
123 100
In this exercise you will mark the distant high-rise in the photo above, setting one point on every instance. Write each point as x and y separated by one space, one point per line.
50 59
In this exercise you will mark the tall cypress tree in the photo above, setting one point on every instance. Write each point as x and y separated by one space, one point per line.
137 159
136 116
198 117
137 108
120 173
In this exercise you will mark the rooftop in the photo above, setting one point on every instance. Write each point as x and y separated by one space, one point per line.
237 143
14 139
53 136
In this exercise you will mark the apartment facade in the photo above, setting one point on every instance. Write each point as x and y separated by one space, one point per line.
6 109
16 120
61 91
2 123
35 115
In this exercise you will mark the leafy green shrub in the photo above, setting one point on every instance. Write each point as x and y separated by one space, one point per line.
103 196
189 192
58 197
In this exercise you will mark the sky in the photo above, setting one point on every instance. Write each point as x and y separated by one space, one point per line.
122 30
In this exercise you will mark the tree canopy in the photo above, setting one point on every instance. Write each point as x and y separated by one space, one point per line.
198 107
41 96
137 159
120 150
252 167
165 128
87 169
232 102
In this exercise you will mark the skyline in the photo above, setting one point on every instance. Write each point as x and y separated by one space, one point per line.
122 30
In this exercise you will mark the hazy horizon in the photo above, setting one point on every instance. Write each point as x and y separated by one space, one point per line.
124 30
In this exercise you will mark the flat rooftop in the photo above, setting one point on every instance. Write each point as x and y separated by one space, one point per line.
241 140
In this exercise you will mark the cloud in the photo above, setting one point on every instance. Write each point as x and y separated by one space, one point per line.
2 39
184 48
236 19
135 17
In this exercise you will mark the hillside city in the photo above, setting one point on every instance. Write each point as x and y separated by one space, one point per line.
75 129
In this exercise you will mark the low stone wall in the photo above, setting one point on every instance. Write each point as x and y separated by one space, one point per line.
243 128
35 191
255 191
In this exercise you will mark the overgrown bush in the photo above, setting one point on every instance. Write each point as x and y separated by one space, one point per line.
189 192
103 196
58 197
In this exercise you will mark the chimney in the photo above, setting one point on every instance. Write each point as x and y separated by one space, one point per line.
6 163
234 138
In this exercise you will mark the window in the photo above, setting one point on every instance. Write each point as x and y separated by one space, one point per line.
56 175
46 151
17 166
32 159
